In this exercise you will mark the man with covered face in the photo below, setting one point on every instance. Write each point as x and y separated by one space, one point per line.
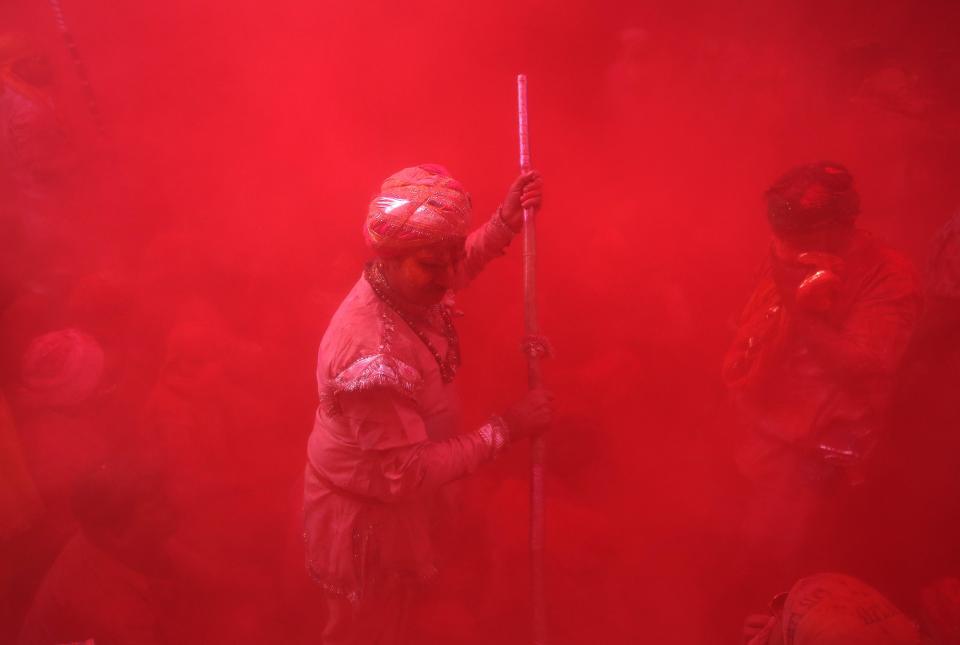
831 609
386 434
811 368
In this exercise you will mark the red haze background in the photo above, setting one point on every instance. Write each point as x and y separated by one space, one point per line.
243 141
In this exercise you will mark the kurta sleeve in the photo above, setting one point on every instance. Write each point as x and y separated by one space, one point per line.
881 325
875 334
486 243
396 461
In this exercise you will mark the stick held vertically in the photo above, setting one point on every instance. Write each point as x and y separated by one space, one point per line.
533 351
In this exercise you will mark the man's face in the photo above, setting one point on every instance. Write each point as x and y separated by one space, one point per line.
424 276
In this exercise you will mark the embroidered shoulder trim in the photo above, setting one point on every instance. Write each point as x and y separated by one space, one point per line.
376 370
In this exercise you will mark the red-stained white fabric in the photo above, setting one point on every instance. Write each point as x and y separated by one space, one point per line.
90 594
385 439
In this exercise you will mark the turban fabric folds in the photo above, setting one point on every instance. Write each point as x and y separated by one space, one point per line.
62 368
416 207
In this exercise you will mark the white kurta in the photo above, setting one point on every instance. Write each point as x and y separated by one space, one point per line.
385 437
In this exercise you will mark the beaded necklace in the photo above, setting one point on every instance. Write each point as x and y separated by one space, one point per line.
448 366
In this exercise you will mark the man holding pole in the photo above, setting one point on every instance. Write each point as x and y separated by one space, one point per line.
386 432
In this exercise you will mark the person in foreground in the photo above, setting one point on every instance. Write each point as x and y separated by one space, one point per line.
386 435
831 609
838 609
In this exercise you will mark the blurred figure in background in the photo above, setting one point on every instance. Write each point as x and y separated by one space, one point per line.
921 466
386 435
205 417
61 383
108 582
34 147
836 609
812 366
19 501
35 157
20 506
632 73
940 612
57 397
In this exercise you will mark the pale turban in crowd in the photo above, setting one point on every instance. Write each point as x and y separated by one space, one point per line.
61 369
834 609
417 207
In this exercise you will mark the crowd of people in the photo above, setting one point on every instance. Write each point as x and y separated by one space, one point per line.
134 411
156 409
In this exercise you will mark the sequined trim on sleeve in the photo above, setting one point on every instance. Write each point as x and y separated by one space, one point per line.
376 370
495 435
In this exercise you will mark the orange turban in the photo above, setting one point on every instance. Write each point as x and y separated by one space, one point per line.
417 206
